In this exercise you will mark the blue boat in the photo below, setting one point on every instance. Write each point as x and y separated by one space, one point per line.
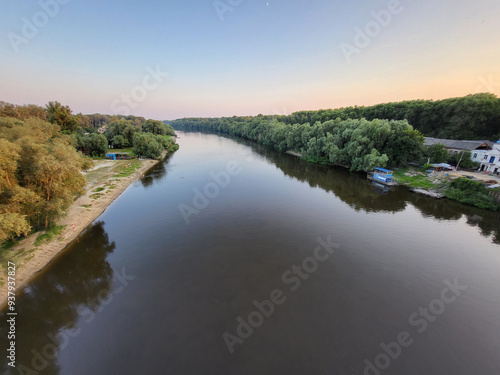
383 176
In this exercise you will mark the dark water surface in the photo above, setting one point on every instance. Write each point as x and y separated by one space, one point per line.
143 292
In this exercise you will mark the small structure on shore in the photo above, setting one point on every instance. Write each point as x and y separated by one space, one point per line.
118 155
383 176
440 167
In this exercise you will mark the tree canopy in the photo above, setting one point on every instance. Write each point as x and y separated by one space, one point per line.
469 117
40 174
357 143
62 116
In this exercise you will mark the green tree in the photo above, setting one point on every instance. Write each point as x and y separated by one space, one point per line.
147 145
155 127
120 141
39 174
465 160
96 145
437 153
62 116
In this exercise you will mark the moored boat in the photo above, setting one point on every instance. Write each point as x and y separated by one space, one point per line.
382 176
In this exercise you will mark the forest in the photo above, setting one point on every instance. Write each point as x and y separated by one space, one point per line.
361 138
469 117
358 144
43 151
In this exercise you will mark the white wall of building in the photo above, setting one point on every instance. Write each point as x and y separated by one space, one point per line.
489 159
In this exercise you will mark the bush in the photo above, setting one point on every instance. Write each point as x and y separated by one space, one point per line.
471 192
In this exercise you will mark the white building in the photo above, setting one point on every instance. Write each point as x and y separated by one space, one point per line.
489 159
486 153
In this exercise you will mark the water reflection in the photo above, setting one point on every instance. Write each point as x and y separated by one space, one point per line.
156 173
357 191
352 188
193 281
79 280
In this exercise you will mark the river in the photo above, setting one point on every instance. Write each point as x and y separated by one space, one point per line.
232 258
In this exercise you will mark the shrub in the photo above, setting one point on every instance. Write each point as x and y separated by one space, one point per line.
471 192
146 145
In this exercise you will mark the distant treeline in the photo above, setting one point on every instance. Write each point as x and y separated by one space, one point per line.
149 138
470 117
358 144
88 122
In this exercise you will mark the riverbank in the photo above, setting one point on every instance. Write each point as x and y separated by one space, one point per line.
105 182
439 185
468 187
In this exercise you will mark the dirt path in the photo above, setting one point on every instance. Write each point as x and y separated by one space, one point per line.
479 176
105 182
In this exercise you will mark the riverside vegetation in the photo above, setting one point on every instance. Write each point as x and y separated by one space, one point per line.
461 189
43 152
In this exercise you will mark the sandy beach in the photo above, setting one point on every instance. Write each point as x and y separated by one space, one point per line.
105 182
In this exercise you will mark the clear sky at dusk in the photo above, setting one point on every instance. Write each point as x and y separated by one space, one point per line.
216 59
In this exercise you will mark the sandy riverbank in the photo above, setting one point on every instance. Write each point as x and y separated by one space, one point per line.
104 185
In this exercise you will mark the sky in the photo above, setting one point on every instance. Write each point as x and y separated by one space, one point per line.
205 58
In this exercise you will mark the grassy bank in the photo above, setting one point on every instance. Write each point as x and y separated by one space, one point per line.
126 170
463 190
414 178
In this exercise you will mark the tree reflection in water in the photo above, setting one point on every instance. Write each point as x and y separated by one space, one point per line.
53 301
156 173
357 191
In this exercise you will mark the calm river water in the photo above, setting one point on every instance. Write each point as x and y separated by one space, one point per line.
281 267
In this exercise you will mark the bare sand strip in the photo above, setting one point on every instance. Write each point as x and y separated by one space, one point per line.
84 210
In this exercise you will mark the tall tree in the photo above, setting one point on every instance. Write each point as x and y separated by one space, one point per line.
62 116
